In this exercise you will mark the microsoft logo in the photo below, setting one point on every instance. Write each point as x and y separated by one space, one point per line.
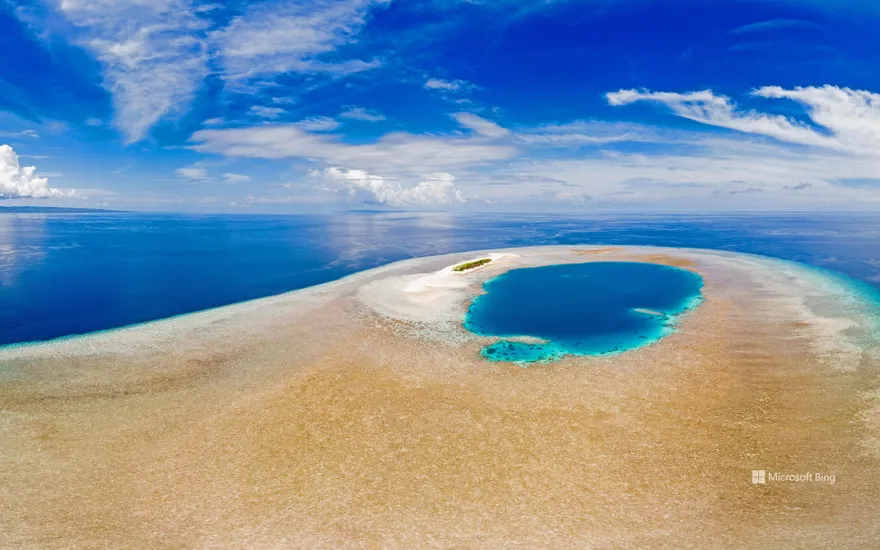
761 477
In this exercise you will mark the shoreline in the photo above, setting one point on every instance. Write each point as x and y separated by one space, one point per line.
864 290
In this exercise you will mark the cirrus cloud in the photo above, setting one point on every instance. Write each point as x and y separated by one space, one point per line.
359 113
397 153
155 54
270 39
708 108
480 125
851 118
151 68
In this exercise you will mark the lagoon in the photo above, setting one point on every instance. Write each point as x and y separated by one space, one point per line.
595 308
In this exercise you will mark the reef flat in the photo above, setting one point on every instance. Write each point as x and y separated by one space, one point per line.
360 413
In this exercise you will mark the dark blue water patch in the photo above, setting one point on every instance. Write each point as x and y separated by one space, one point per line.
595 308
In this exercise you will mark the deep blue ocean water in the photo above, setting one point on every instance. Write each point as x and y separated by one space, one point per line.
581 309
63 274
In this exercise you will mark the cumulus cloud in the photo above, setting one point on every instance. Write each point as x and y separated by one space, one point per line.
22 182
434 189
359 113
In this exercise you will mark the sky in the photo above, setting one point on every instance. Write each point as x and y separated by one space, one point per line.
456 105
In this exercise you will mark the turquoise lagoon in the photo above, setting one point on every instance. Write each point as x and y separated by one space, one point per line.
587 309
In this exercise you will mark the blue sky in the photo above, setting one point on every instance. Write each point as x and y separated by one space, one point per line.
510 105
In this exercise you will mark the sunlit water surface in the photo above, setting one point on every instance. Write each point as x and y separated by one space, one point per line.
64 274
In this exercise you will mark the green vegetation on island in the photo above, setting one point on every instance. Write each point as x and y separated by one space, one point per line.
471 265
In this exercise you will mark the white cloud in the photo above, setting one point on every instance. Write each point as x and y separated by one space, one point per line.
155 53
319 124
193 173
833 158
436 188
583 133
271 39
266 112
433 189
236 178
152 67
359 113
400 154
715 110
851 116
481 125
775 24
251 200
92 192
20 182
448 85
698 173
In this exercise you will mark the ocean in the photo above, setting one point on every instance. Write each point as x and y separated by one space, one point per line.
65 274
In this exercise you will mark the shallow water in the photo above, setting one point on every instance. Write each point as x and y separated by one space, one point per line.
593 308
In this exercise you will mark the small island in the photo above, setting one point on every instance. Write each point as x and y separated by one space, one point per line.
471 265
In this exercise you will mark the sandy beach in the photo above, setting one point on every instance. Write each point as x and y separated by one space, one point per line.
360 414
